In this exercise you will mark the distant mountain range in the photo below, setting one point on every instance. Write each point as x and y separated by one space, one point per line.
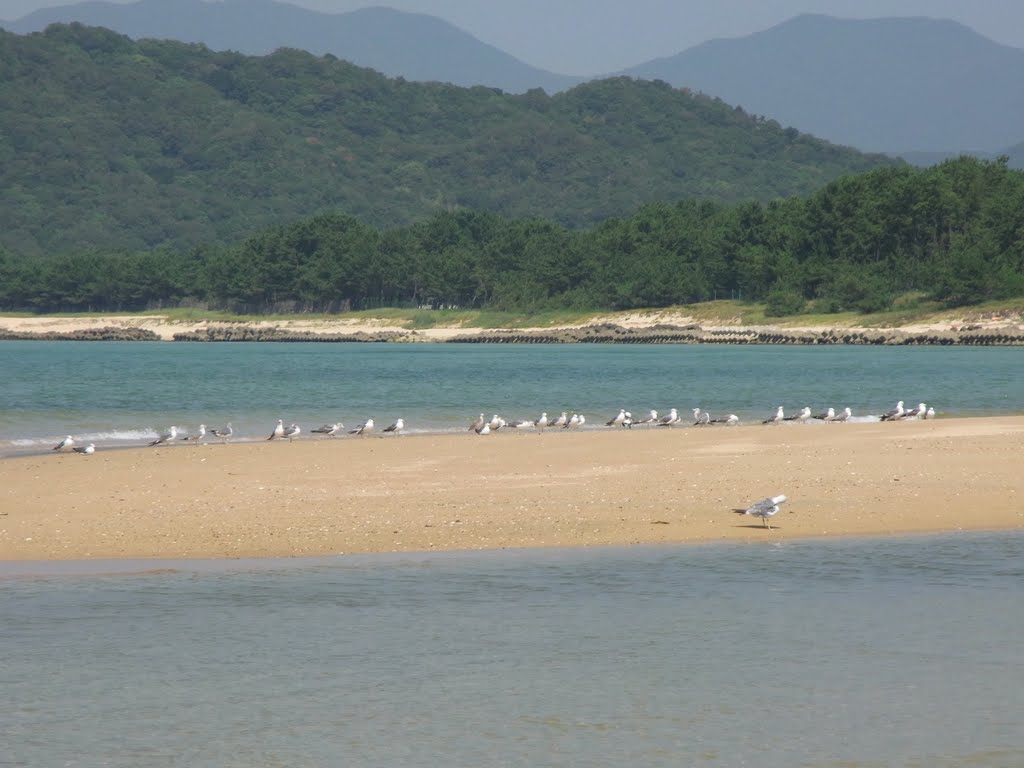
888 85
918 87
410 45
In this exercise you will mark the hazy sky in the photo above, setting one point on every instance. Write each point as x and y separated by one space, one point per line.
586 37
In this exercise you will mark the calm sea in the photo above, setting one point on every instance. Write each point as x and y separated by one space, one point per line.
127 393
856 653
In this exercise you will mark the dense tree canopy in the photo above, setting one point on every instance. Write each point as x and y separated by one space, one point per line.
110 143
955 231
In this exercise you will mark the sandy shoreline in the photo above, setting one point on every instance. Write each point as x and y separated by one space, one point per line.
166 328
464 492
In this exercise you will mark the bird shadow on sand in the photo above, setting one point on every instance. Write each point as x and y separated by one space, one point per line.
755 525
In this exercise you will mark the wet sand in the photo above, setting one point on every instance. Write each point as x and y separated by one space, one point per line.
464 492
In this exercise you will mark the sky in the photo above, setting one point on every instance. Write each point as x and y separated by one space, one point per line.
589 37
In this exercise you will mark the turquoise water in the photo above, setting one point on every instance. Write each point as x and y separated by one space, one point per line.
859 653
126 393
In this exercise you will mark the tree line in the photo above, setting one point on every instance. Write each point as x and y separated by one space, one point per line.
954 232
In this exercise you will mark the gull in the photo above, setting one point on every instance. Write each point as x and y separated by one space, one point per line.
894 413
917 413
477 425
582 421
572 423
88 450
224 432
617 421
779 416
67 442
485 429
167 437
930 413
700 418
804 415
542 422
198 436
651 418
843 416
828 415
729 420
670 420
292 432
397 427
278 430
561 421
628 421
521 424
765 508
329 429
363 429
496 423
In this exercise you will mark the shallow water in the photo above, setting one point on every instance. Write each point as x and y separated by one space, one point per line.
115 393
873 652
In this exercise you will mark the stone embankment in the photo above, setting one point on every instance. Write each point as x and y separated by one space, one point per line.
693 334
252 333
111 333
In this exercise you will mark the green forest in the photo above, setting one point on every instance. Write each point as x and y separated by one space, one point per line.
953 232
110 143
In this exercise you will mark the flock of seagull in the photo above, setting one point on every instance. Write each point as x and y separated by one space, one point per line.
484 426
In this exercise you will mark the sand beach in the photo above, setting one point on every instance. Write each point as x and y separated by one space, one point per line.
464 492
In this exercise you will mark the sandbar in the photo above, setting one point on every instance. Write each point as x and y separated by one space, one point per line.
421 493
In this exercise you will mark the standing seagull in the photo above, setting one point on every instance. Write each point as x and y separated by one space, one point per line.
477 425
224 433
930 413
779 416
198 435
329 429
278 430
561 421
844 415
894 413
804 415
617 421
363 429
700 418
729 420
397 427
670 420
651 418
542 422
572 423
828 415
292 432
88 450
67 442
167 437
765 508
917 413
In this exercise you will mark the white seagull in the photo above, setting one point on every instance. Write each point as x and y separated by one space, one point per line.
628 421
700 418
827 415
363 429
651 418
894 413
617 421
917 413
330 430
765 508
779 416
542 422
561 421
67 442
87 450
521 424
729 420
223 433
477 425
804 415
167 437
930 413
844 415
397 427
293 431
199 435
670 420
278 430
572 423
496 423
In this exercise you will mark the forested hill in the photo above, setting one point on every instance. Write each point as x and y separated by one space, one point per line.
954 232
106 142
